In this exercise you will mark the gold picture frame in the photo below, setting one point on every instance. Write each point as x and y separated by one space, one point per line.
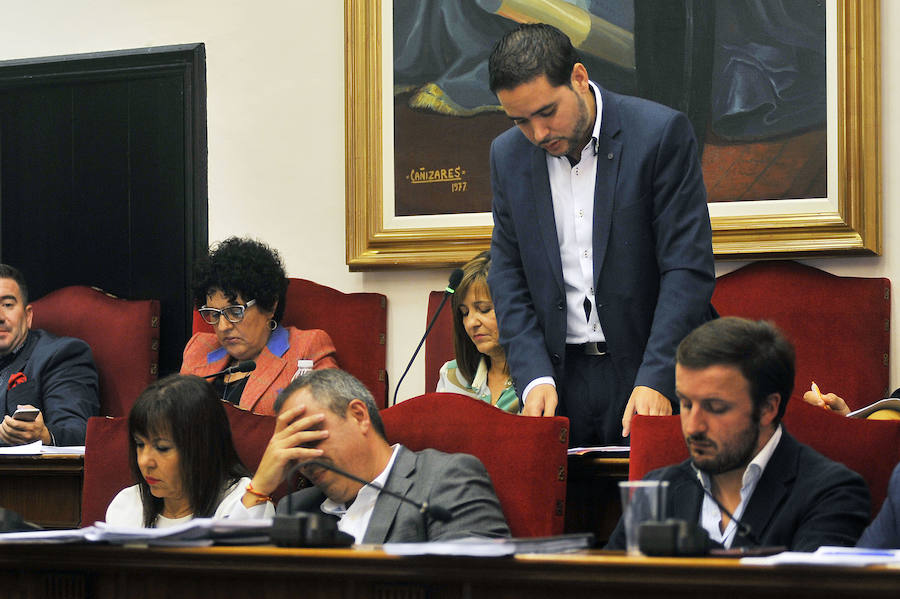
854 226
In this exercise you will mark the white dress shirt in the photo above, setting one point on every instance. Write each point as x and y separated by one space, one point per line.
711 515
572 190
354 520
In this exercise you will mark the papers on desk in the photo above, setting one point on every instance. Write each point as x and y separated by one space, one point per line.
38 448
482 547
62 450
604 449
27 449
199 531
828 556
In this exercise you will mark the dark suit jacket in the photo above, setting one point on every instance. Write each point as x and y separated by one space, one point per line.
884 531
457 482
61 382
652 247
802 501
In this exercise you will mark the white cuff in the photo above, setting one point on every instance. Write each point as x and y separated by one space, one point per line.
541 380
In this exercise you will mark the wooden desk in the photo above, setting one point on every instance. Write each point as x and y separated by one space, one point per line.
43 489
105 572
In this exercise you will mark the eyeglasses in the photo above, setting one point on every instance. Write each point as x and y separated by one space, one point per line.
233 314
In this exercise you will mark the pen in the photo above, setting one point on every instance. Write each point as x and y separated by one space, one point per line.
815 389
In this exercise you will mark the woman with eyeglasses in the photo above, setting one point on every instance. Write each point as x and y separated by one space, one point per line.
239 289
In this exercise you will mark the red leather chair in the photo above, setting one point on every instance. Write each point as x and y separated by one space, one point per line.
106 469
356 322
123 336
439 343
525 457
840 326
869 447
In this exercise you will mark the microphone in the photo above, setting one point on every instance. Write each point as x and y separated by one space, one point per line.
455 278
434 511
242 366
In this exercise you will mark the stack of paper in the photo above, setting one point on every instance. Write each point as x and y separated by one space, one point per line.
38 448
199 531
828 556
482 547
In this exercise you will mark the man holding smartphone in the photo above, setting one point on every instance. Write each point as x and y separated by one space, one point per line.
48 384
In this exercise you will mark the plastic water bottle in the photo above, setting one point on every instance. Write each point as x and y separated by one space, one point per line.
303 367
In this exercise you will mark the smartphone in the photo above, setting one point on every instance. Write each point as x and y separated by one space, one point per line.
26 414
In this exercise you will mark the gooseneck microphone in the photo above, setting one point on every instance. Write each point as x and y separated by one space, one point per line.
242 366
455 278
742 529
434 511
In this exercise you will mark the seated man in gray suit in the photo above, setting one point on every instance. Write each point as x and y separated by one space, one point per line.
733 378
329 416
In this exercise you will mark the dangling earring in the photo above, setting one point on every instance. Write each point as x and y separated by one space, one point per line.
272 324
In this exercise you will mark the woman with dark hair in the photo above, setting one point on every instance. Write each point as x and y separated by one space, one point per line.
239 289
480 368
183 460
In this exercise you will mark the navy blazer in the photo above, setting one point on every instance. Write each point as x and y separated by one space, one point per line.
802 501
61 382
652 246
457 482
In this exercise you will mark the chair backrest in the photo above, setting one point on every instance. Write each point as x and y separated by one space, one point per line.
439 344
525 457
656 441
840 326
869 447
356 323
106 469
123 336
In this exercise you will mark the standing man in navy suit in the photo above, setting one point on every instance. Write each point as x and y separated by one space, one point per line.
602 246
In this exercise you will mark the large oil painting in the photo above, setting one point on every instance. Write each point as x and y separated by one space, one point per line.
768 86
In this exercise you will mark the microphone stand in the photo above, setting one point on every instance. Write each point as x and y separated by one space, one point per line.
315 529
453 283
243 366
742 529
434 511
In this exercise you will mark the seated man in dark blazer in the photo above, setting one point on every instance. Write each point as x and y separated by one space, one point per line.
56 375
329 416
733 378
